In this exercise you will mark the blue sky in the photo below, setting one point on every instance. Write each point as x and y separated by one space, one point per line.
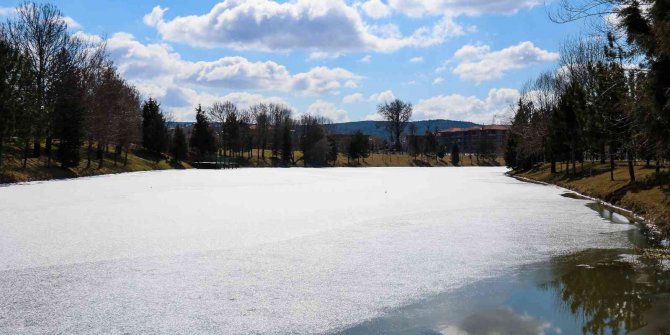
455 59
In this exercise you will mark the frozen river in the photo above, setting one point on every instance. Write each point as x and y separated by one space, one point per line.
270 250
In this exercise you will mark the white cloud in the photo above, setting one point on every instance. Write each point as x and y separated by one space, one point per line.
373 117
160 72
468 108
71 23
416 60
382 97
438 80
376 9
353 98
331 26
328 110
479 63
154 67
87 38
7 11
419 8
366 59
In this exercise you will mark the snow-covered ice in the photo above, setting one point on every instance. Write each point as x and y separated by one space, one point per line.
268 250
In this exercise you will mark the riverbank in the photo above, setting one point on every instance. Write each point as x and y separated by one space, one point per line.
36 169
648 197
138 160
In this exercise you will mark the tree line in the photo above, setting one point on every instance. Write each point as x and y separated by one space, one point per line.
63 101
608 100
58 92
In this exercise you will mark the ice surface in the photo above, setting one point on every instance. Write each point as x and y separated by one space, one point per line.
268 250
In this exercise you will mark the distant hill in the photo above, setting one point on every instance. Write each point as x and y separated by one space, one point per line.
376 128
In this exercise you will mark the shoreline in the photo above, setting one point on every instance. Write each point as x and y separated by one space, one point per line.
655 232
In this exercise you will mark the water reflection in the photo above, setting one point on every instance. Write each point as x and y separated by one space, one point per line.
615 291
608 294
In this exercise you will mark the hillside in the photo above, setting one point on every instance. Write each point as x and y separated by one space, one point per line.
376 128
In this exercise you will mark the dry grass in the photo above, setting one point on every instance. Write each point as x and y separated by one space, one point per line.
375 160
12 170
648 196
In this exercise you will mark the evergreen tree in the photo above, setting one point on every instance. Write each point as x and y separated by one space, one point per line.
359 147
455 155
179 148
68 111
203 141
154 130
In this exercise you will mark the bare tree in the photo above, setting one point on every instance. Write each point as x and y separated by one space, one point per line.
261 116
40 32
219 112
396 114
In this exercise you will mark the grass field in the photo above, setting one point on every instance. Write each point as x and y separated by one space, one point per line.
649 196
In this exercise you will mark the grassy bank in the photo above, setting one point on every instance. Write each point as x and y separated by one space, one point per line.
374 160
138 160
649 196
12 170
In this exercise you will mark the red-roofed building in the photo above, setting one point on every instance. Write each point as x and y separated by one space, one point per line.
472 140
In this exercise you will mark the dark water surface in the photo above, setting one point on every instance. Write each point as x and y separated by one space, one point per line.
596 291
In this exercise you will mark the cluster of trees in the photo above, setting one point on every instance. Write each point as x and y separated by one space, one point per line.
60 92
426 144
608 101
63 99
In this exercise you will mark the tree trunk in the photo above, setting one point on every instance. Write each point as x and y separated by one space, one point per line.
101 156
611 166
553 165
2 145
125 159
89 153
37 150
658 166
631 169
48 150
25 154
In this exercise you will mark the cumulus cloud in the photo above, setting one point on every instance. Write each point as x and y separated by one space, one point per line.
330 26
500 321
328 110
71 23
353 98
419 8
438 80
468 108
376 9
160 72
416 60
382 97
153 66
365 59
479 63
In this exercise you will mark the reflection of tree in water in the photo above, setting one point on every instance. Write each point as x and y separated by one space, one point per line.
610 296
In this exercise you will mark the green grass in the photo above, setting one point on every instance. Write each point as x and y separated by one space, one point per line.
649 196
